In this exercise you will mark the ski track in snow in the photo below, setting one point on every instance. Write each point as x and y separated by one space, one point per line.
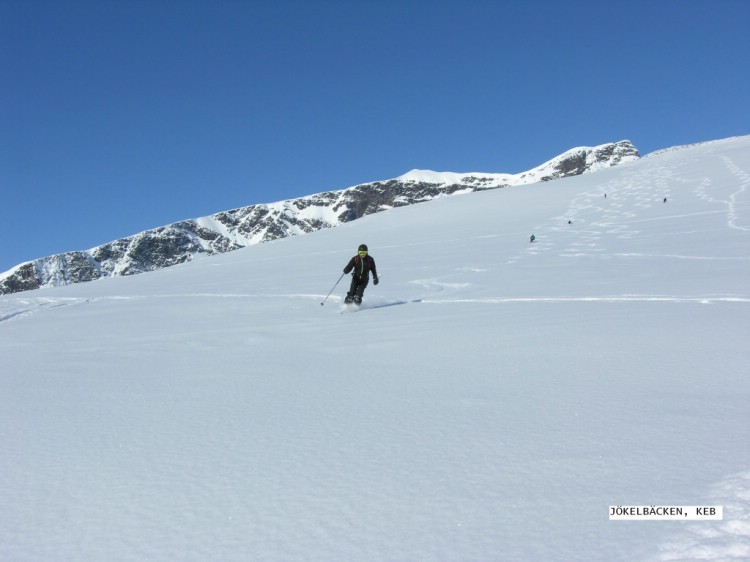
14 311
595 219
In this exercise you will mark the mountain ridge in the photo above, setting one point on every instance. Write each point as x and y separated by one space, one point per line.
233 229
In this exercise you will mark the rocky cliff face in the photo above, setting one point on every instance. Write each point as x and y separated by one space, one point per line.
230 230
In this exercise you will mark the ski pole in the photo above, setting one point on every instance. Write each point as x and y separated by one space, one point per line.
329 292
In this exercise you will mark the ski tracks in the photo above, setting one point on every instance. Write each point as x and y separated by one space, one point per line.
733 196
13 309
621 208
698 299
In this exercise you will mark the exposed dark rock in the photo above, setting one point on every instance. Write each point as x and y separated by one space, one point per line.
230 230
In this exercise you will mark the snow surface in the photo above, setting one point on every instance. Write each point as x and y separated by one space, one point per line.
451 178
490 400
530 176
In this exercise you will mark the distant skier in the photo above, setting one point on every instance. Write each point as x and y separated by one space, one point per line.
665 200
531 240
360 265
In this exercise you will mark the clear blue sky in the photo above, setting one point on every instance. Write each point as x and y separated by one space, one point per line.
119 116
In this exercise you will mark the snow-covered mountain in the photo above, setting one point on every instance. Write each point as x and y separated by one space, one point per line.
230 230
490 402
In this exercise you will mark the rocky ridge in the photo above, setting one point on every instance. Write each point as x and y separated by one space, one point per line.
230 230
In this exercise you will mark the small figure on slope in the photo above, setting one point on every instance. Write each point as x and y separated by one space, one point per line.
360 265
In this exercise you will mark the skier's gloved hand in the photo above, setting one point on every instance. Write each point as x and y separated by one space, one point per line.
375 280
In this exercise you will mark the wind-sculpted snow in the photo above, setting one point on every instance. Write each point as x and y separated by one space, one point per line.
724 541
230 230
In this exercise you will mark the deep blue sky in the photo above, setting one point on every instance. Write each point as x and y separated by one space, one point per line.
119 116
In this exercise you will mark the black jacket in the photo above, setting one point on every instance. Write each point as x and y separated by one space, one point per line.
361 267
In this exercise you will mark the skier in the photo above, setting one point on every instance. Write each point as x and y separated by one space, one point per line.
532 238
360 265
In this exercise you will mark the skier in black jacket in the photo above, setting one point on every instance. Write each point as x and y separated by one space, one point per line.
360 265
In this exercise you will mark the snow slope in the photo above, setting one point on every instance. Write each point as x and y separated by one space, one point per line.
490 400
227 231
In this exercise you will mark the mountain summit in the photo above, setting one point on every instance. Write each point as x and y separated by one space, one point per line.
230 230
